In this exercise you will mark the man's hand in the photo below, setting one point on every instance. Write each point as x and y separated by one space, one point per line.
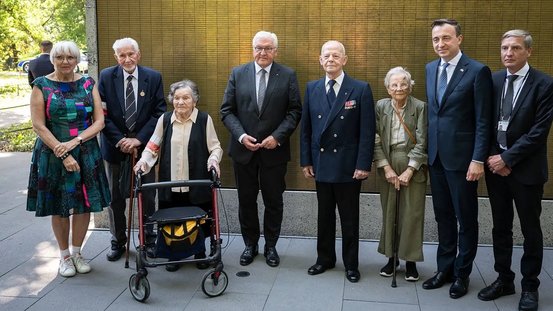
360 174
505 171
495 163
269 143
475 171
308 171
129 145
250 143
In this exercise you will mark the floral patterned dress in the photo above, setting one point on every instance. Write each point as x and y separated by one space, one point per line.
52 190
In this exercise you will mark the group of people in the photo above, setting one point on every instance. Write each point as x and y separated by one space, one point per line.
474 124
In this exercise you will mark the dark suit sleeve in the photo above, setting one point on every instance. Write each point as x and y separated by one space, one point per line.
110 131
293 114
536 137
30 77
482 109
305 132
159 107
229 108
367 130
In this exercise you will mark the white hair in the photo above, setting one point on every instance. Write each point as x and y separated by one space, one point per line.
65 48
119 44
265 35
399 71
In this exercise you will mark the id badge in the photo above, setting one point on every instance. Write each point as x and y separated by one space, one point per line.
502 126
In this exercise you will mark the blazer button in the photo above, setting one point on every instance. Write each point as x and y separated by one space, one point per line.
322 149
335 150
335 135
342 117
319 116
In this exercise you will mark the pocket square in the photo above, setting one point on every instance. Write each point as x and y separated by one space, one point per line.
350 104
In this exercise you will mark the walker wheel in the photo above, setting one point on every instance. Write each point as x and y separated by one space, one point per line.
139 287
214 283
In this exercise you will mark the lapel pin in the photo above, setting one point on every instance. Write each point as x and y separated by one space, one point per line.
462 70
142 93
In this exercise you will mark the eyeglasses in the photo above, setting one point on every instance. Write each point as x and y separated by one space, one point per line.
398 87
69 58
260 49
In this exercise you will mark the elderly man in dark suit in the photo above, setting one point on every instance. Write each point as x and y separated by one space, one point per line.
261 108
522 115
337 145
459 92
133 100
41 65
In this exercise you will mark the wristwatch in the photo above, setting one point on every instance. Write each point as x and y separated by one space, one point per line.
80 140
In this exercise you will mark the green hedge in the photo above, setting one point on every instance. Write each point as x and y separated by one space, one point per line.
17 138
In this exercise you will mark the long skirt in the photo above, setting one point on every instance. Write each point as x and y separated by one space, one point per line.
411 211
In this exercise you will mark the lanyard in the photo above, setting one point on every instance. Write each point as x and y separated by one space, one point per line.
515 97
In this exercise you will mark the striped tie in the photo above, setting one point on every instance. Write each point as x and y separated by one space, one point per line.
130 105
442 83
262 89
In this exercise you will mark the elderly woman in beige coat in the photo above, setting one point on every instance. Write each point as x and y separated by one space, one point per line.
400 155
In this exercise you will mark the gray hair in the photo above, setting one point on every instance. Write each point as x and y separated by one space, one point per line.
265 35
119 44
399 71
181 85
65 48
521 34
340 46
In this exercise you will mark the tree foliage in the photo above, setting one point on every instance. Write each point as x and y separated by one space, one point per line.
24 23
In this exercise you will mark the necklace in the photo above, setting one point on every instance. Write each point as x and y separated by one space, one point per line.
61 80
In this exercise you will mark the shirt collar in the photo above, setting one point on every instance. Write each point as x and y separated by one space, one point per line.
258 68
338 79
454 61
193 116
522 72
134 74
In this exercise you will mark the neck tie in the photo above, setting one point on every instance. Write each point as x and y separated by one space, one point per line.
331 95
506 109
442 83
130 105
261 90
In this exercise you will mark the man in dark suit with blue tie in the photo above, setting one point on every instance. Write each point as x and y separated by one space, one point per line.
41 65
261 108
133 100
337 144
522 115
459 92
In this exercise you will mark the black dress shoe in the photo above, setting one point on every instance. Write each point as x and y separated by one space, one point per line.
459 288
248 254
201 265
353 275
115 252
528 301
271 256
437 281
317 269
172 267
497 289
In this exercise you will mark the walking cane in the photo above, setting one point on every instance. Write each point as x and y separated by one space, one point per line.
395 242
131 203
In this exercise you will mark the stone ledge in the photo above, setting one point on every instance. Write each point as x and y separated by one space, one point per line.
300 217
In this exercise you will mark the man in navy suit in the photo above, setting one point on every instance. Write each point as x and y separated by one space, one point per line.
261 108
133 100
459 92
522 115
337 144
41 65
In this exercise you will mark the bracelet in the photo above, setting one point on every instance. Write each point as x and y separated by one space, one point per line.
64 156
80 140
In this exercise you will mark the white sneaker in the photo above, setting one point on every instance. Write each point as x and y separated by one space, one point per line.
80 264
67 268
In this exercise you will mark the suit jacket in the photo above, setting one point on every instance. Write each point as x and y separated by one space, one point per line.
336 141
415 118
150 106
279 115
459 127
39 67
528 128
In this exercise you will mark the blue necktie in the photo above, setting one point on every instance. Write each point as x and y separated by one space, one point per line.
442 83
331 95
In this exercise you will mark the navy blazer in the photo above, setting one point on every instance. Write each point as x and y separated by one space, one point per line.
150 106
279 116
39 67
336 141
528 128
459 127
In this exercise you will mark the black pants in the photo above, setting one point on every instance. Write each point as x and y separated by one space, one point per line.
346 197
527 198
117 218
270 179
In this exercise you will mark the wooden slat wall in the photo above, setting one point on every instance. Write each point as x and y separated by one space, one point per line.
203 39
